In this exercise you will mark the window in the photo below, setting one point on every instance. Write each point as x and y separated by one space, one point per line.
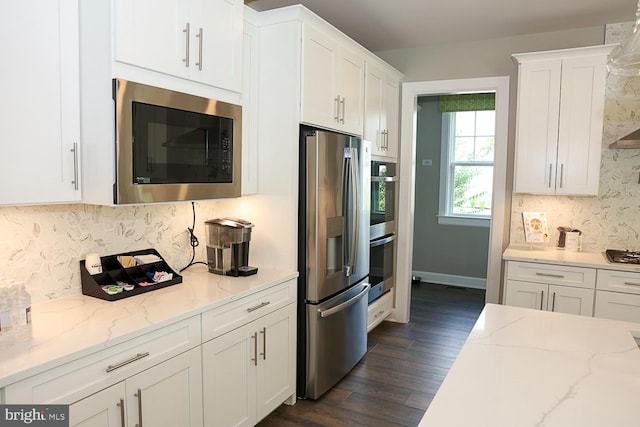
468 140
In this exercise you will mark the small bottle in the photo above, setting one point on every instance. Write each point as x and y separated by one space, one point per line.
7 331
22 311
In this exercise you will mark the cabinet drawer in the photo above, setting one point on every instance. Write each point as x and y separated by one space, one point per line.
379 310
617 306
619 281
552 274
74 380
222 319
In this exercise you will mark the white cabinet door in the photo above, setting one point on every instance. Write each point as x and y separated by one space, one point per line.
559 121
153 34
40 109
565 299
526 294
229 378
276 359
332 83
320 100
103 409
199 40
617 306
217 43
374 95
540 296
391 115
382 105
581 118
351 90
537 126
250 371
168 394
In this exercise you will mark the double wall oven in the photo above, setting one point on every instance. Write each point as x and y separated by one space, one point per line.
383 228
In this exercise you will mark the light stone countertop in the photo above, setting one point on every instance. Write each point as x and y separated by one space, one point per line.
70 327
523 367
559 256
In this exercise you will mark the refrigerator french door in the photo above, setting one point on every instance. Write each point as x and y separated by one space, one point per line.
333 257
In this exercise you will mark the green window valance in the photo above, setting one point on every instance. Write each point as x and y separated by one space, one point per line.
467 102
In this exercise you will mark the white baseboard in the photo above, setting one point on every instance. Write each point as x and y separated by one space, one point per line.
452 280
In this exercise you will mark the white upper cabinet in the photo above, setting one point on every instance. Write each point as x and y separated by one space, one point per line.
332 81
199 40
559 120
40 109
382 104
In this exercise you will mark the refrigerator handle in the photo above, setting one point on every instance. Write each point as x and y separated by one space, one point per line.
333 310
351 191
355 218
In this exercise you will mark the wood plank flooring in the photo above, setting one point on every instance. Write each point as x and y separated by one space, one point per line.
404 366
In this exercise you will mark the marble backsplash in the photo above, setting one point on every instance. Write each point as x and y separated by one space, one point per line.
612 219
42 245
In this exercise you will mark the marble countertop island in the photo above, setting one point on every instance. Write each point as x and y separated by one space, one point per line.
522 367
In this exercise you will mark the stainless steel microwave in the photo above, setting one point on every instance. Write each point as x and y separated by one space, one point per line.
171 146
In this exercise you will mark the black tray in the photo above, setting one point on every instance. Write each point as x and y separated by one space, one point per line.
113 271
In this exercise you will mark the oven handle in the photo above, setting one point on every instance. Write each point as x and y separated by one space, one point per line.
384 179
382 240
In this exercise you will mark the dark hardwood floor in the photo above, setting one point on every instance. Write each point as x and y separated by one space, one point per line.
404 366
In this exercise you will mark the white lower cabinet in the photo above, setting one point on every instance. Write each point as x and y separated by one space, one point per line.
618 295
166 395
250 371
379 310
563 289
561 299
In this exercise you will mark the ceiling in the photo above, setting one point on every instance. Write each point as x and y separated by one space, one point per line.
386 24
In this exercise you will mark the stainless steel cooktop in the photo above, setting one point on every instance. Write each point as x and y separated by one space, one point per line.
623 256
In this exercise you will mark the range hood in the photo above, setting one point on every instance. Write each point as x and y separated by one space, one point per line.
630 141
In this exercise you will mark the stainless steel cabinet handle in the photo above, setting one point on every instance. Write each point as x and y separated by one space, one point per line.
337 101
342 102
187 31
121 405
126 362
255 307
255 349
139 396
557 276
553 302
550 165
632 284
561 174
199 36
264 343
541 298
74 150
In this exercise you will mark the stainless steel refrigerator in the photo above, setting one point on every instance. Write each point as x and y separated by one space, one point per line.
333 257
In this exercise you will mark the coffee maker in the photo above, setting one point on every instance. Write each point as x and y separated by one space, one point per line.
228 246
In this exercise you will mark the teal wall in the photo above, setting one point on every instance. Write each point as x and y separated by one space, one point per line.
443 249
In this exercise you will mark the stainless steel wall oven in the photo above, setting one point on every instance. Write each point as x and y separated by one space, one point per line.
383 228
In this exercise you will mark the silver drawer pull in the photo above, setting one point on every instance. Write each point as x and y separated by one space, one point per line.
632 284
557 276
126 362
255 307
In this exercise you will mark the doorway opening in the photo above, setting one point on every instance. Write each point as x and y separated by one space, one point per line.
411 92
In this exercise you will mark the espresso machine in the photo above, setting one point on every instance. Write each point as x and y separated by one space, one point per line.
228 246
